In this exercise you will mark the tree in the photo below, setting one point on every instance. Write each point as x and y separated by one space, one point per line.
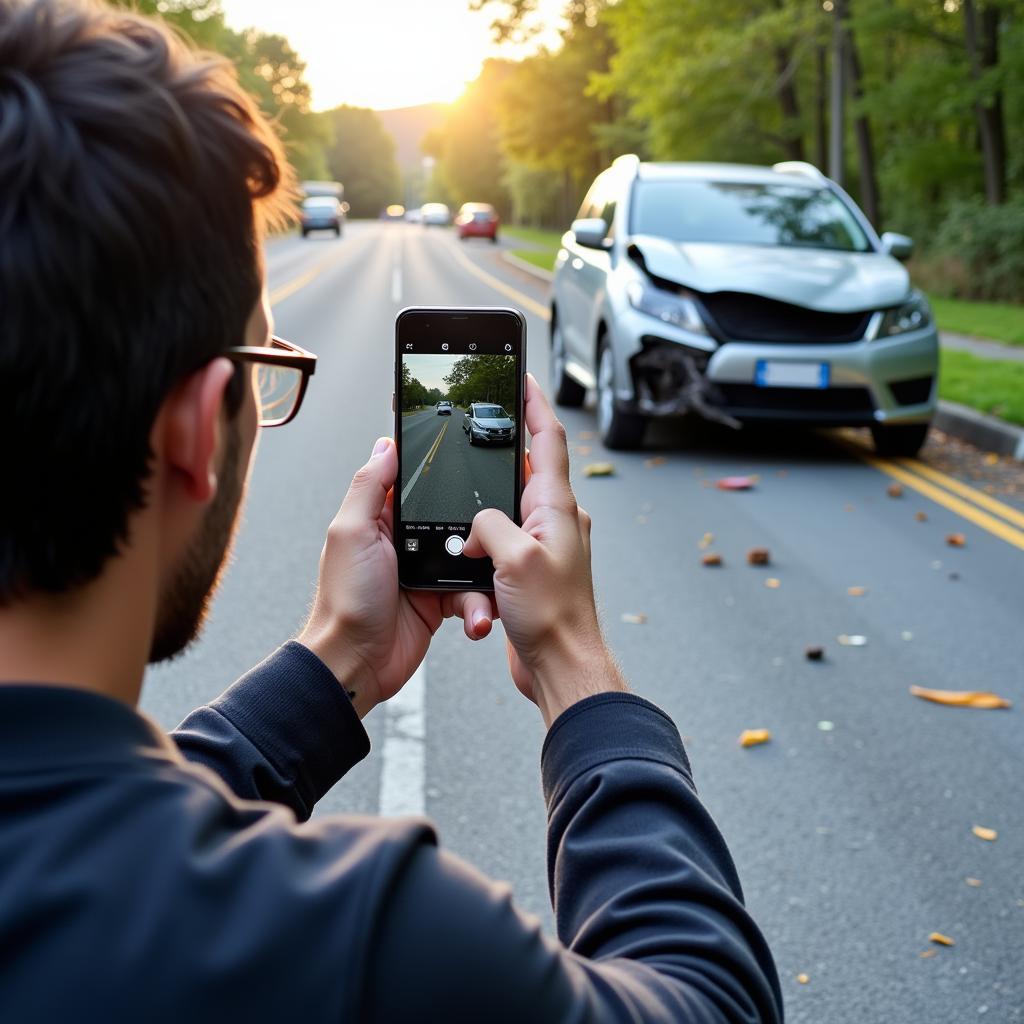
361 155
487 378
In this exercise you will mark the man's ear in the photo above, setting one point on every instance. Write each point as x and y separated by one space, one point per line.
192 428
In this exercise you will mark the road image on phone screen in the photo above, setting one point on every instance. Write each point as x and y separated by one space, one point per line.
459 430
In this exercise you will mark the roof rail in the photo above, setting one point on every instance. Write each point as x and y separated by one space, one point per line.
800 167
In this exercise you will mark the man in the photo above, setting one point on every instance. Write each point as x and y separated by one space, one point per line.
147 878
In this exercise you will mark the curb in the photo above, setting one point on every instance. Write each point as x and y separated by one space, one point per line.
985 432
539 272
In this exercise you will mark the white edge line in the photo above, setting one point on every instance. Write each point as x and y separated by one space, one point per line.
402 773
419 469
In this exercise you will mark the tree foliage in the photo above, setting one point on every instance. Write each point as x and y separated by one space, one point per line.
361 155
484 378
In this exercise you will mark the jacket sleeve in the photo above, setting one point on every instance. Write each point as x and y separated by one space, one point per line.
285 732
648 906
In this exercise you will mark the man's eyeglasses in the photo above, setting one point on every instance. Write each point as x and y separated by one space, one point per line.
281 372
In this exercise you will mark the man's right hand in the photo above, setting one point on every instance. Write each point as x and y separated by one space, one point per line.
542 580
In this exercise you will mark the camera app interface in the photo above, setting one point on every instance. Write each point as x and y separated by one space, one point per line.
459 430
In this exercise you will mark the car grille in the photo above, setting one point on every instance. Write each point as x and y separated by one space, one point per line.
743 317
842 405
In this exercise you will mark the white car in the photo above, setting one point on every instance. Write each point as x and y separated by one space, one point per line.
435 214
744 294
487 423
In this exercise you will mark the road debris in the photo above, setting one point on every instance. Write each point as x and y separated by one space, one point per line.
736 483
586 435
658 460
906 635
962 698
634 618
921 517
711 559
583 449
974 883
991 459
706 541
772 583
926 954
754 737
852 640
815 653
956 540
990 835
599 469
940 939
856 591
802 979
894 490
826 726
758 556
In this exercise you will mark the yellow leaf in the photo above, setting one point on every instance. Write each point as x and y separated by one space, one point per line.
856 591
599 469
974 883
706 541
926 954
962 698
753 737
990 835
772 583
803 978
942 940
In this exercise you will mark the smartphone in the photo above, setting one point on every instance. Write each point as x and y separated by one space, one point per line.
459 430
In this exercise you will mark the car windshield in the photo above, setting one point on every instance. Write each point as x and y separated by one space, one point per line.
491 412
742 213
318 201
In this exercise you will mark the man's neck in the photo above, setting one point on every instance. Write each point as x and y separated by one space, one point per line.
96 638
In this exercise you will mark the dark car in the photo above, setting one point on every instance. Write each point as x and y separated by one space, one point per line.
321 213
477 220
444 408
486 423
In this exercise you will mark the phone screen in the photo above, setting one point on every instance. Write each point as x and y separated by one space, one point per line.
459 428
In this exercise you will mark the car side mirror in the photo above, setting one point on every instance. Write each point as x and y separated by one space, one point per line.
591 232
900 247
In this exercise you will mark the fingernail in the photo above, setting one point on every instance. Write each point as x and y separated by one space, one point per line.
478 617
381 446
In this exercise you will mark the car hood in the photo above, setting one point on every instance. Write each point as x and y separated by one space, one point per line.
503 424
821 279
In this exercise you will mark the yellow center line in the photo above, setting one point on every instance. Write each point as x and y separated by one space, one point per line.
284 291
506 289
1004 511
433 450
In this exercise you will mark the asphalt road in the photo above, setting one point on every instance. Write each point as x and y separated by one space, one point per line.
445 479
852 828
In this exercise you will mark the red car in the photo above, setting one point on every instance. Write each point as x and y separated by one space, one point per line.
477 220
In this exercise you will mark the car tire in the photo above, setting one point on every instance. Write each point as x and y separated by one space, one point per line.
471 441
494 239
618 429
568 393
904 439
337 232
303 232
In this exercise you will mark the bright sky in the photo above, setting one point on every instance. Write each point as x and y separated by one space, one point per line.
379 53
430 370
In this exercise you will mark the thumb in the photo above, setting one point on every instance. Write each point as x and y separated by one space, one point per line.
369 488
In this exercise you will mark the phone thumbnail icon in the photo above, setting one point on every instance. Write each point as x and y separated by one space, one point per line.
412 544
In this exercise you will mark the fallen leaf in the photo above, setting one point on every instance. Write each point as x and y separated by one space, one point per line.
921 517
583 449
926 953
940 939
974 883
772 583
711 559
706 541
658 460
586 435
815 654
634 618
956 540
852 640
736 483
754 737
803 979
990 835
758 556
856 591
894 490
962 698
906 635
599 469
991 459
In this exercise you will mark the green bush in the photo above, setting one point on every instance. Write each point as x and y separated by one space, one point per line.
976 253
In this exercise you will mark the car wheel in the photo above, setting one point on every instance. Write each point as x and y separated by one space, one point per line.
618 429
899 439
471 441
337 232
494 239
568 393
303 232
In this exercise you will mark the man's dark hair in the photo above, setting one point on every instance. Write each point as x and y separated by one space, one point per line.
136 181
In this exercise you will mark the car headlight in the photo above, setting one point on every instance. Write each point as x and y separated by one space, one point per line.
678 310
912 315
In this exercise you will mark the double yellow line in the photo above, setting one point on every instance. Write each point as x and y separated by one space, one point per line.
434 447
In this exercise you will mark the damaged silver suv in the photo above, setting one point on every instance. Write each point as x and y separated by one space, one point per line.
743 294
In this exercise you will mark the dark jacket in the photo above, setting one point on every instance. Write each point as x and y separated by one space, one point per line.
151 879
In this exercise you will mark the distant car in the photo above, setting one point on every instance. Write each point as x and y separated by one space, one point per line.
414 216
744 294
321 213
435 214
477 220
396 211
486 423
444 408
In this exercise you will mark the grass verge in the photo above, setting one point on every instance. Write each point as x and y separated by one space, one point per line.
999 321
993 386
544 245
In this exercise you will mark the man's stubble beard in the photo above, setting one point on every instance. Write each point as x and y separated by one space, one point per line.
185 601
